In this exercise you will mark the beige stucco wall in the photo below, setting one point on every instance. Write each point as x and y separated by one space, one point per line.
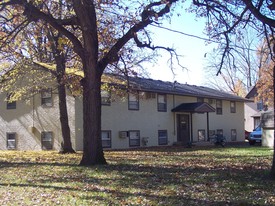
148 120
250 109
29 119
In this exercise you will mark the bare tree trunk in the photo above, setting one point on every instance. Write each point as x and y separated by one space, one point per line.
91 83
66 146
92 146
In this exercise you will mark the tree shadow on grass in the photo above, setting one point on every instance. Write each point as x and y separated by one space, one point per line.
159 185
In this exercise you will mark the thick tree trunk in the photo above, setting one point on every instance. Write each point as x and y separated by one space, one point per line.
92 146
91 84
66 146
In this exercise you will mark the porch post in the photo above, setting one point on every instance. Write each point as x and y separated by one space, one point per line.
191 125
207 127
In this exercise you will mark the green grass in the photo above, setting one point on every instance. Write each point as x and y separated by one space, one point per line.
162 176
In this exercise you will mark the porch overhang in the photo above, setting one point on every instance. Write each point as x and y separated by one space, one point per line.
194 107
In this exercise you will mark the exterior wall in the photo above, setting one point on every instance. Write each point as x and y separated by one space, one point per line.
29 119
147 120
250 110
267 120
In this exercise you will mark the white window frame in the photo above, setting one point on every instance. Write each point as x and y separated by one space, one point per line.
106 138
45 143
219 106
133 101
105 97
233 107
47 98
233 135
134 138
11 140
201 135
162 102
162 137
10 104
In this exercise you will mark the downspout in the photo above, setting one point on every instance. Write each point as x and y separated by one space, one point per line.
207 127
174 116
191 125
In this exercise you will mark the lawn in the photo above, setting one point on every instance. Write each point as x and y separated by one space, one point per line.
163 176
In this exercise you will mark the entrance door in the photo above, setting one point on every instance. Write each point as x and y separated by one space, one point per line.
183 128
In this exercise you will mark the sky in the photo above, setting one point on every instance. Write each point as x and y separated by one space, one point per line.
192 49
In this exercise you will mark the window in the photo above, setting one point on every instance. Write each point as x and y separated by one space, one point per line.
162 137
233 107
134 138
212 132
218 106
260 105
200 99
47 140
133 101
201 135
46 98
11 140
106 139
162 105
105 97
211 101
257 122
233 134
219 132
10 104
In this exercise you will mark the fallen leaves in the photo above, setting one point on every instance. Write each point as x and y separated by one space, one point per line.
161 176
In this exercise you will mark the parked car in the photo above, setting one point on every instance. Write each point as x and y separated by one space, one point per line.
255 136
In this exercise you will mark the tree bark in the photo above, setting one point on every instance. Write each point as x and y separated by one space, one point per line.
91 84
66 146
92 148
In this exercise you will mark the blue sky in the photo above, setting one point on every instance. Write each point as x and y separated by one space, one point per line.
192 49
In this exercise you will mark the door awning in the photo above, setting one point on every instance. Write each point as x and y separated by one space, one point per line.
195 107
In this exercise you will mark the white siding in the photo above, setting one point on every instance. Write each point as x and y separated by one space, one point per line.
29 119
148 120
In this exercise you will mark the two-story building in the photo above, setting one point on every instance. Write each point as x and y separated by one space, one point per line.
153 113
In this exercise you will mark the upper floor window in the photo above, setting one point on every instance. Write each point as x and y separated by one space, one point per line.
46 98
211 101
260 105
218 106
106 139
105 97
133 101
200 99
162 103
11 140
233 107
10 104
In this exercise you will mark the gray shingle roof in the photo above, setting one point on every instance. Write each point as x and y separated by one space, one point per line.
159 86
